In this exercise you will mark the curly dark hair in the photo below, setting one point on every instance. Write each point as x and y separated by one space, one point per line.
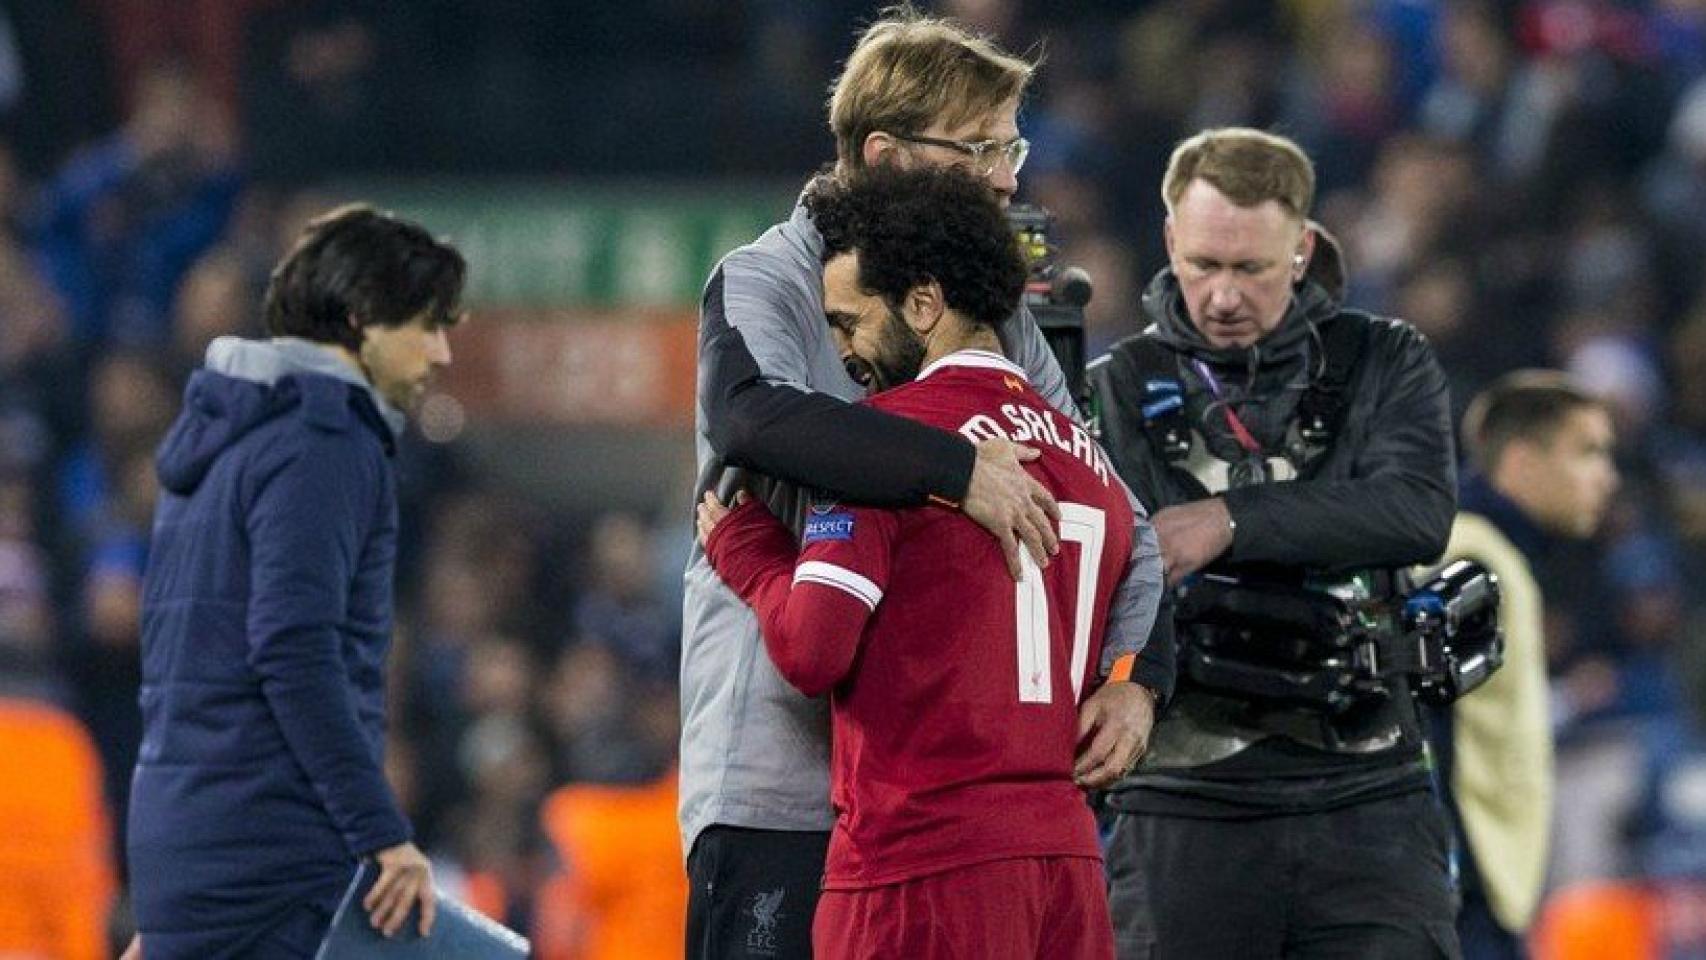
913 226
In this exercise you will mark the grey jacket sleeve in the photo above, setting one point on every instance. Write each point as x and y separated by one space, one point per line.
1026 346
1398 505
1132 614
1140 619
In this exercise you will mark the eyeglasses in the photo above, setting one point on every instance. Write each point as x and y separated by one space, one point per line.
984 154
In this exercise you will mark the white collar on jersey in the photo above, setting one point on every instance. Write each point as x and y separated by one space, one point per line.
974 358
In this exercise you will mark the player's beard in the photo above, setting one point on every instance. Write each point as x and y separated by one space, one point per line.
900 355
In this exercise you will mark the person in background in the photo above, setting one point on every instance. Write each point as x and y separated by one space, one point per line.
619 892
57 876
125 219
267 606
1541 448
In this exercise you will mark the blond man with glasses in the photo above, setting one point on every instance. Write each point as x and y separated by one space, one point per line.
775 386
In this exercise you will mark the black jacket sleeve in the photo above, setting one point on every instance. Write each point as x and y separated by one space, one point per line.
1397 504
813 439
1128 450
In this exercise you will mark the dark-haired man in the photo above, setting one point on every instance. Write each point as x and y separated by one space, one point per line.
267 606
1541 451
774 414
954 691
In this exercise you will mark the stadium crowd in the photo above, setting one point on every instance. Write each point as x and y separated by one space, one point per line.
1524 180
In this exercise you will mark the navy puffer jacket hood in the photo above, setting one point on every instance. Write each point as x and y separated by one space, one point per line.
244 384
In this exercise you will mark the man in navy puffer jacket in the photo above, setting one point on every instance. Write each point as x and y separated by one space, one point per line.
267 611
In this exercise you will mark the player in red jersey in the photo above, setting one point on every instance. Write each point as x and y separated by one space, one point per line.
954 691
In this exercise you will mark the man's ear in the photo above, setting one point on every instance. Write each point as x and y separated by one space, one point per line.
1521 463
1305 252
1167 236
879 148
924 307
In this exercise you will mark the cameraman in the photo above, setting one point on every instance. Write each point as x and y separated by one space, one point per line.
1276 438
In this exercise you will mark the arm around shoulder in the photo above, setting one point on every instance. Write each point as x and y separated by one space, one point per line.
761 411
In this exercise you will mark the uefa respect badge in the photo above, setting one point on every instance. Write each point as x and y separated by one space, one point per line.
827 521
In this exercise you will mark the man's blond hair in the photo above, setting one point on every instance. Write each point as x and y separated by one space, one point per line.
909 71
1249 166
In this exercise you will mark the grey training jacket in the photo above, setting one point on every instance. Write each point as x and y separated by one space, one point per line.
754 751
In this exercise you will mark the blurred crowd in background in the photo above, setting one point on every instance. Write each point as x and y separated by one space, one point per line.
1524 181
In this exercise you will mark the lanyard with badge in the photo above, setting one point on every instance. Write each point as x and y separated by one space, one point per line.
1253 468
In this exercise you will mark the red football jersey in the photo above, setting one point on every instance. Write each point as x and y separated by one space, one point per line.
955 723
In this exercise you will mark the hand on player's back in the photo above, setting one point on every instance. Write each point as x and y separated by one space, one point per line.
1113 733
1011 504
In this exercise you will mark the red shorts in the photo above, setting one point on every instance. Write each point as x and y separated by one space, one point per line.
1020 909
